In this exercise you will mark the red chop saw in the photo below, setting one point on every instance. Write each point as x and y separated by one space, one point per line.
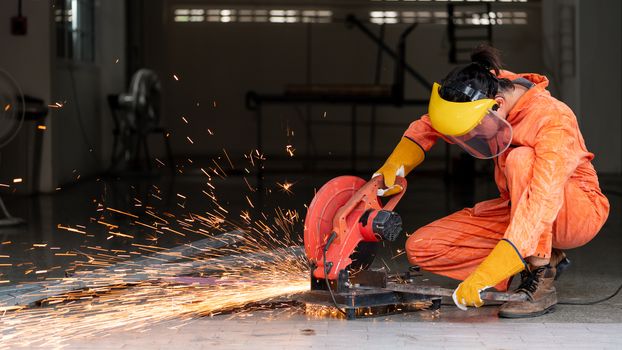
345 212
344 218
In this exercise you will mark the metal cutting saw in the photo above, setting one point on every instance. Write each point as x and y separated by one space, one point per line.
345 225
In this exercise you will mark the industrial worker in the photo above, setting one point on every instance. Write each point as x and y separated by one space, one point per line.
549 200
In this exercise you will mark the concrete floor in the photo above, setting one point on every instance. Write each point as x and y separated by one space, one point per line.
300 333
596 271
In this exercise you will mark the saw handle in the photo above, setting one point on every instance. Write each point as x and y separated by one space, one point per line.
392 202
369 194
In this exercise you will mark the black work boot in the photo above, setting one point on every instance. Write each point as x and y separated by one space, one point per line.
559 261
537 284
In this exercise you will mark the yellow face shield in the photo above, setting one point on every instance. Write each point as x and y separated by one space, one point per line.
473 125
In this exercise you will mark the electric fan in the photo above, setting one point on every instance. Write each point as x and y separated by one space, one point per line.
12 107
136 114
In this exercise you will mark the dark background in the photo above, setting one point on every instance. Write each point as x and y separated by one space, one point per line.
210 54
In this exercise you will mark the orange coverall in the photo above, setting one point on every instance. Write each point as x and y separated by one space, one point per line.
549 192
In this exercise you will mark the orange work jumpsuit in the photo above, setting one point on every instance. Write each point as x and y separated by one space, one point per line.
549 191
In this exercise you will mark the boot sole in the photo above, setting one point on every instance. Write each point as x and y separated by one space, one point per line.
533 314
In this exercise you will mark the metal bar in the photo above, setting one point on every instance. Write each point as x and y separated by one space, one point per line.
400 64
255 100
377 78
489 26
471 38
446 292
451 33
385 124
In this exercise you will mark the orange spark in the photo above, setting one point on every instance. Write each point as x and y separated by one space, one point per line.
249 202
290 149
56 105
122 212
228 159
286 186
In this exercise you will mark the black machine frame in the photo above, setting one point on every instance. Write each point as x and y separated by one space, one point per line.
355 95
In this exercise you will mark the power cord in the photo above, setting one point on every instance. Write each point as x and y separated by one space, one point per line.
593 302
327 268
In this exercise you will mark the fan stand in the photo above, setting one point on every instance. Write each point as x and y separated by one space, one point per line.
129 142
9 220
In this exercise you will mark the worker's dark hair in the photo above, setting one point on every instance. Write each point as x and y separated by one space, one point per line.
480 75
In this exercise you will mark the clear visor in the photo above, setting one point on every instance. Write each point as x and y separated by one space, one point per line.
491 137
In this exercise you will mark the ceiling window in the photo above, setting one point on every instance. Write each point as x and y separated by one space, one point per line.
440 17
224 15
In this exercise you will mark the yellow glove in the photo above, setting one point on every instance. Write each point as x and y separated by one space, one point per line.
503 261
405 157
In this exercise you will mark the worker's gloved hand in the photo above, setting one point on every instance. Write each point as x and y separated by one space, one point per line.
503 261
404 158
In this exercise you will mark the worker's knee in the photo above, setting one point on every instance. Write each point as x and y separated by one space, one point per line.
422 245
519 160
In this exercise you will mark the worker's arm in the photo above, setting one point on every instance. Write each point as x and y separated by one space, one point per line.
557 155
410 152
422 133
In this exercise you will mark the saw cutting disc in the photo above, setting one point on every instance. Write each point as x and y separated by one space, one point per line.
319 220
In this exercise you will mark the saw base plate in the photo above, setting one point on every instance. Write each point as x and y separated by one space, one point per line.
363 295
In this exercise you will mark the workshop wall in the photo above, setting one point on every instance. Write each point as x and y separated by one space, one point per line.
600 81
591 84
217 63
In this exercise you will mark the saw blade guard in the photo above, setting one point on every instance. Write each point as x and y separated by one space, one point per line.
350 207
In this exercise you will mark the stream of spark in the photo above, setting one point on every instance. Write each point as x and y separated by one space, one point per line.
256 267
83 315
134 288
